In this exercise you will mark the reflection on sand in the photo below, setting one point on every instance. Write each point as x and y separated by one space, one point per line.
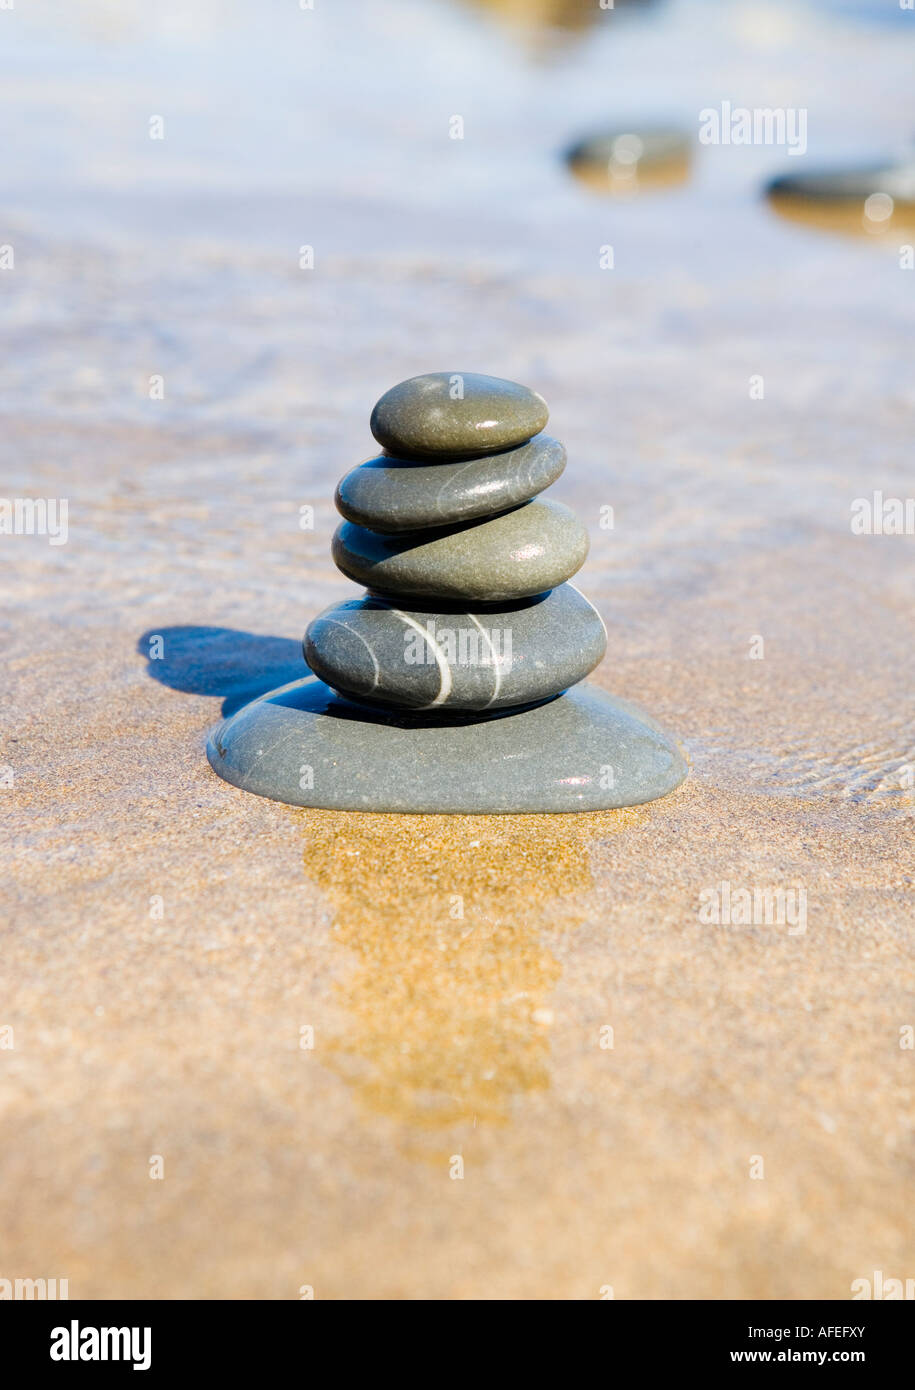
845 218
448 1005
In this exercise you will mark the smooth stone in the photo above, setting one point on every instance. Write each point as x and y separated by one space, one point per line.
420 416
583 751
519 553
433 659
622 146
864 202
626 161
848 185
390 494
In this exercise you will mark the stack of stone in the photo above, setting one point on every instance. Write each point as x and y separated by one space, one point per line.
468 606
450 686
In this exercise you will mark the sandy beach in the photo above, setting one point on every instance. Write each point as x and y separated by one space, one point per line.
282 1006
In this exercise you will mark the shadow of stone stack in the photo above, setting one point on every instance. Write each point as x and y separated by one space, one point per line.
452 684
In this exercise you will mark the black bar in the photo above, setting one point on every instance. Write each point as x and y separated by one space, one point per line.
237 1339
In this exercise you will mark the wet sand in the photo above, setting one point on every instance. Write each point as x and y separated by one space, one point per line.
168 938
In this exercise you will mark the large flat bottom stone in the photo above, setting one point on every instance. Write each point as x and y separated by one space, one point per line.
582 751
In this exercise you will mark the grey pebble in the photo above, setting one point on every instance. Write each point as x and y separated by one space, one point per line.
514 555
636 148
848 185
437 659
391 494
451 413
583 751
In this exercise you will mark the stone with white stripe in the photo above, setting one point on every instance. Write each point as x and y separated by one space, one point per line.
449 658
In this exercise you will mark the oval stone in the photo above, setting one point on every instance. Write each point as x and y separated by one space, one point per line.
553 756
413 658
446 414
629 160
878 200
514 555
851 185
391 494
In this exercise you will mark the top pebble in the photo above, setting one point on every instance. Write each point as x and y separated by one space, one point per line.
448 415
